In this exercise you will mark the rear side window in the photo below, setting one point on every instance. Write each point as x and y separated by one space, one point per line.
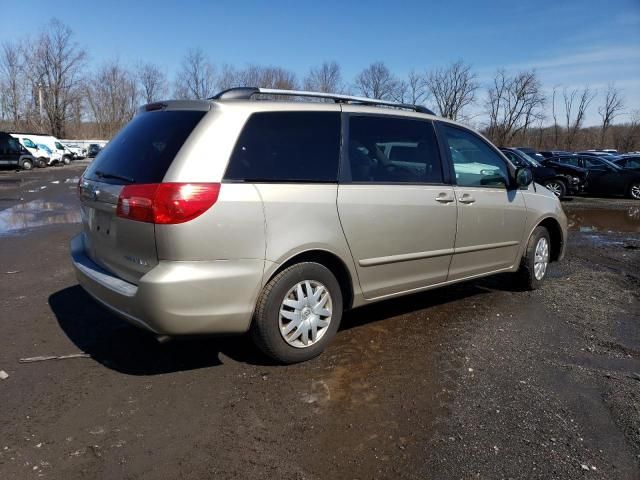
388 149
144 149
287 147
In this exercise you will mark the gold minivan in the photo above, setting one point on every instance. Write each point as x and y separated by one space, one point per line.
240 214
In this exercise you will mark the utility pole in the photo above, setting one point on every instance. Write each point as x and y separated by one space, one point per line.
40 103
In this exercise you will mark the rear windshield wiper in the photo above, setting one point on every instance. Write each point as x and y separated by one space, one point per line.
114 176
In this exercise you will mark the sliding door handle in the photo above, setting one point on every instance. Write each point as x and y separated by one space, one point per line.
444 197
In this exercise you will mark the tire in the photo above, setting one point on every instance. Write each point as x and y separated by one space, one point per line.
634 191
529 277
556 186
66 160
42 163
268 322
26 165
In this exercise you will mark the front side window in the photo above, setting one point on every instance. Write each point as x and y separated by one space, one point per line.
573 161
595 163
633 163
287 147
28 143
14 146
388 149
517 161
475 163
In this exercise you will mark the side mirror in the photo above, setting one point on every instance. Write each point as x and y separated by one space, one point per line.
524 176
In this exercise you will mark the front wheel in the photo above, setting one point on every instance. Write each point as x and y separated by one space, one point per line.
634 191
42 162
66 160
298 313
26 165
557 187
535 261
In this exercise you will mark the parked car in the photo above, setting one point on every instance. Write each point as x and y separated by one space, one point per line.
13 153
630 162
43 158
597 153
76 150
605 177
93 150
295 213
558 180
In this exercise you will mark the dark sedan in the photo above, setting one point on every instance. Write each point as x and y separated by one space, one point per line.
93 150
560 180
605 177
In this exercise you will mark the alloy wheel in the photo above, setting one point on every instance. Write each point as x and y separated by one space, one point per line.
541 258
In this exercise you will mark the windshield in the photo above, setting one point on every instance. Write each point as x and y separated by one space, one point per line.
530 159
44 147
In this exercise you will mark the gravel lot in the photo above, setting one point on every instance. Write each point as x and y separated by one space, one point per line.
476 380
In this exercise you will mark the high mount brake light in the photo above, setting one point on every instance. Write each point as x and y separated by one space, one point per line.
166 203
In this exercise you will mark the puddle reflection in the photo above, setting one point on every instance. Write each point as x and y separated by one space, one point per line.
37 213
605 220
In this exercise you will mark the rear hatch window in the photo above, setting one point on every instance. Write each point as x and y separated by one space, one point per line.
140 154
142 151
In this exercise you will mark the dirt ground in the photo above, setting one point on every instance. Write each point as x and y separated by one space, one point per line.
478 380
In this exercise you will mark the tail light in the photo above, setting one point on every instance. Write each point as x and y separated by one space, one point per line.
166 203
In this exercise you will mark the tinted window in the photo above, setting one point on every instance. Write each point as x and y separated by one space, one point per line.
591 162
475 163
393 150
574 161
633 163
144 149
28 143
287 147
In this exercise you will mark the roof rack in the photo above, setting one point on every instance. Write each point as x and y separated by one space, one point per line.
245 93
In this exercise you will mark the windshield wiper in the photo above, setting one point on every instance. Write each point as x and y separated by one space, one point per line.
114 176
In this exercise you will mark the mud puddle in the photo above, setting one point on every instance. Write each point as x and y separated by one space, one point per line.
600 220
37 213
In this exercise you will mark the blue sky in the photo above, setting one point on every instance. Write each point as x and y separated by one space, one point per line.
569 43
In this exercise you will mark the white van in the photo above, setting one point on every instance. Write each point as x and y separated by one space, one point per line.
30 142
62 153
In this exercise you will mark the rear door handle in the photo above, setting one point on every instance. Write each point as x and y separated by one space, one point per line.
444 197
466 198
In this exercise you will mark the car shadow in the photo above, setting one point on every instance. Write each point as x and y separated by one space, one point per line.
124 348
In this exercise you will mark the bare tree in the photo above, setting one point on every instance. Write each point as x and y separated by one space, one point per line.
13 82
575 105
453 88
326 78
112 97
628 135
152 82
55 66
613 106
513 104
377 81
417 88
196 78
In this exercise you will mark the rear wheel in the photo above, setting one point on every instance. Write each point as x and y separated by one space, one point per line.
634 190
535 261
557 187
298 313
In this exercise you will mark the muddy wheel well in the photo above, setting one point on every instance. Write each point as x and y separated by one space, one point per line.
555 232
333 263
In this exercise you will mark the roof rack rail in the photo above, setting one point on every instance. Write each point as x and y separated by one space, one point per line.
245 93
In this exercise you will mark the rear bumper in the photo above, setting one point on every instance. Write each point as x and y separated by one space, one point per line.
177 298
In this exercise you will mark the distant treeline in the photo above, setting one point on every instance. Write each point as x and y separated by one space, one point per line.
46 85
